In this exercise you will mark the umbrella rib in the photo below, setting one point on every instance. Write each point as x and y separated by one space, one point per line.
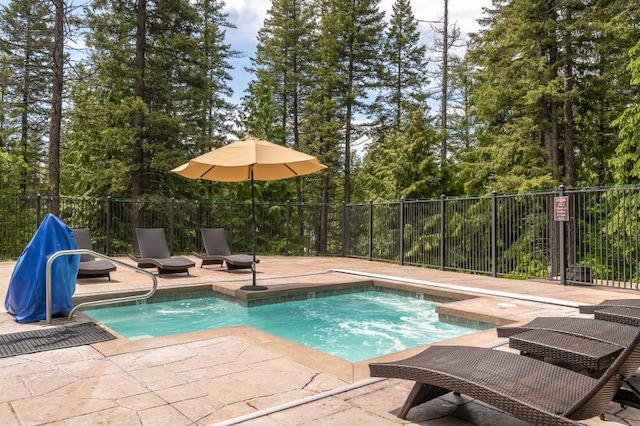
207 171
292 171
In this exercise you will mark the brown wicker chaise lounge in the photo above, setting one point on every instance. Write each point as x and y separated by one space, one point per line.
629 303
89 266
535 391
620 314
603 331
613 333
218 251
154 252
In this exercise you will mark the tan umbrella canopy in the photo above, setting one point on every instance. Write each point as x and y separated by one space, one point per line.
250 159
236 161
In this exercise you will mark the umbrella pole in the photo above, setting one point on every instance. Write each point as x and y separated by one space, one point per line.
253 286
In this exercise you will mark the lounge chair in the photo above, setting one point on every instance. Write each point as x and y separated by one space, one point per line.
90 267
154 252
612 333
535 391
603 331
619 314
218 251
629 303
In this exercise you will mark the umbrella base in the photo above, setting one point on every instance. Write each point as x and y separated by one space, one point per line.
253 287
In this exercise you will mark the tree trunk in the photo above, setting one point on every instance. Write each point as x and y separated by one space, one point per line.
569 143
569 124
137 179
445 84
347 136
56 109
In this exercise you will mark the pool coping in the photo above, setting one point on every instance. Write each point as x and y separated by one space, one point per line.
452 306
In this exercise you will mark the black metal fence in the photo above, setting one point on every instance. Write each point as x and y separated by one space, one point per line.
285 229
595 239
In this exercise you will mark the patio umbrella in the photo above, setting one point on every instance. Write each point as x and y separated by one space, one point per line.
250 159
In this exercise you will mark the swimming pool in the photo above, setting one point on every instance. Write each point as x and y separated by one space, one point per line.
354 326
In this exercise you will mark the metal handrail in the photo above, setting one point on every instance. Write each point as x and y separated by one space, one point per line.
95 302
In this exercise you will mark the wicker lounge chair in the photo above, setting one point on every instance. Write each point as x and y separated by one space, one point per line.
629 303
154 252
620 314
535 391
603 331
218 251
613 333
90 267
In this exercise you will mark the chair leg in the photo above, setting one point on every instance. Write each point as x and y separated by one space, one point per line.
420 393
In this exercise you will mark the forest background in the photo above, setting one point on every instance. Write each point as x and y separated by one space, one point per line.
545 93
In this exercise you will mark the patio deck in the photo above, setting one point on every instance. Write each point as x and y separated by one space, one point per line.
243 375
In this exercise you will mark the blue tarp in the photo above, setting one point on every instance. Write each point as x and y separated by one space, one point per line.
26 295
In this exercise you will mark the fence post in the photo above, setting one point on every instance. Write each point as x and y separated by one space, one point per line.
38 203
171 224
402 231
108 230
345 230
442 239
370 230
563 269
286 249
494 234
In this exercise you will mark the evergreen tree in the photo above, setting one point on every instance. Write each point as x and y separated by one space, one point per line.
55 127
603 33
548 86
404 165
280 66
516 99
626 163
346 59
26 30
164 110
214 64
403 73
282 55
447 35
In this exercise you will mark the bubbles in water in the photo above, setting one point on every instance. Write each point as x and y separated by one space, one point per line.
354 327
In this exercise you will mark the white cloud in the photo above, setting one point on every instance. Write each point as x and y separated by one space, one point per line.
248 17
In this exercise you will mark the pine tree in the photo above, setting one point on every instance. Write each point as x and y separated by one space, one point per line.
403 82
276 96
403 165
282 55
346 60
55 127
27 33
166 108
447 35
626 163
516 99
603 32
550 81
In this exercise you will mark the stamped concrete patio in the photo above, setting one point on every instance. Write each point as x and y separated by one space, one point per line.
243 376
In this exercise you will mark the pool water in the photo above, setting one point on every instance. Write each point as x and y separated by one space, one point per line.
354 327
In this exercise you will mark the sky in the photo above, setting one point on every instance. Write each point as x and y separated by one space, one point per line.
248 17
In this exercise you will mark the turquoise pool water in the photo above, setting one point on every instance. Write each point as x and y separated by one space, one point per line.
354 327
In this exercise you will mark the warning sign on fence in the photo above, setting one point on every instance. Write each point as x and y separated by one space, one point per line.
561 209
